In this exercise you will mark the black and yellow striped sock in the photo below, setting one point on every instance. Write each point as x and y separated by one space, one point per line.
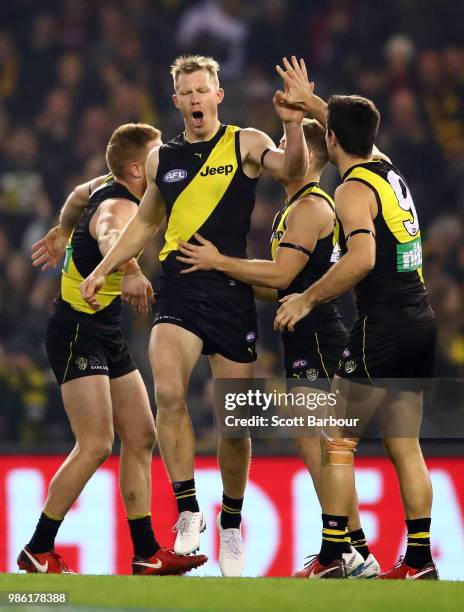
44 536
143 538
334 538
231 513
186 496
358 541
418 552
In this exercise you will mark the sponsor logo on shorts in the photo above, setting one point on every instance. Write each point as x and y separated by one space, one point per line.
350 366
96 364
82 363
167 318
173 176
312 374
299 363
251 336
346 353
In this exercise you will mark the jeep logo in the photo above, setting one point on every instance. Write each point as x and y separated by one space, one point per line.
174 175
208 171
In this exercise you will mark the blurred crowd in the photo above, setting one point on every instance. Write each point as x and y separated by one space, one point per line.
71 72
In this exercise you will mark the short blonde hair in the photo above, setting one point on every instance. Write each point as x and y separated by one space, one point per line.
126 144
191 63
314 135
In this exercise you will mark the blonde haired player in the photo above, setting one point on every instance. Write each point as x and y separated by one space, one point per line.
204 180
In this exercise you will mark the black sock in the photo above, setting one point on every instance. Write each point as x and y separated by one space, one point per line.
334 538
358 541
44 536
418 552
185 495
231 513
143 538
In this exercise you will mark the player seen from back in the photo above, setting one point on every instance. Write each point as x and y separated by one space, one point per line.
102 389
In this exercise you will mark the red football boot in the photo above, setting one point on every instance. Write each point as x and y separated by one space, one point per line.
315 570
42 563
166 563
401 571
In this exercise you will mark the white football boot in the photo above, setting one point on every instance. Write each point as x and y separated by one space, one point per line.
353 560
231 550
370 568
188 527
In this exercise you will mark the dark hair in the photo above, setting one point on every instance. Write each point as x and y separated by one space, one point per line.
126 144
355 122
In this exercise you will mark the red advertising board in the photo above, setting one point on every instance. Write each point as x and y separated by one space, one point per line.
281 517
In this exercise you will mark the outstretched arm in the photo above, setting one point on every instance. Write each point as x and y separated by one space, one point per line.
48 251
133 238
260 152
355 210
299 92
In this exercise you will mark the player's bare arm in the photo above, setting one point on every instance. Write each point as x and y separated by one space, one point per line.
356 209
259 151
133 238
50 249
299 91
305 223
106 226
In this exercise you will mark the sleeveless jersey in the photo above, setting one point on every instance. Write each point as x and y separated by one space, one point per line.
396 280
205 191
83 255
326 253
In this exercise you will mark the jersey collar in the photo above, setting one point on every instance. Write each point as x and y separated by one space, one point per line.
205 144
374 160
300 192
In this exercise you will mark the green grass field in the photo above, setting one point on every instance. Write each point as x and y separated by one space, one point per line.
170 594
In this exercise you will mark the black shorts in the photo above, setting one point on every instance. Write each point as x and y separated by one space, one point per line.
390 347
226 327
79 348
314 354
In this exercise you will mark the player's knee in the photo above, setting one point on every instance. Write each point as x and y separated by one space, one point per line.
97 450
402 448
169 396
142 442
339 451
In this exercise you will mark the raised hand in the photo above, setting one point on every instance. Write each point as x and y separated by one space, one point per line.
299 90
288 113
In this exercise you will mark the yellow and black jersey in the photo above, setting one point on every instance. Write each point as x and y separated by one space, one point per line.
83 255
324 255
205 191
396 280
